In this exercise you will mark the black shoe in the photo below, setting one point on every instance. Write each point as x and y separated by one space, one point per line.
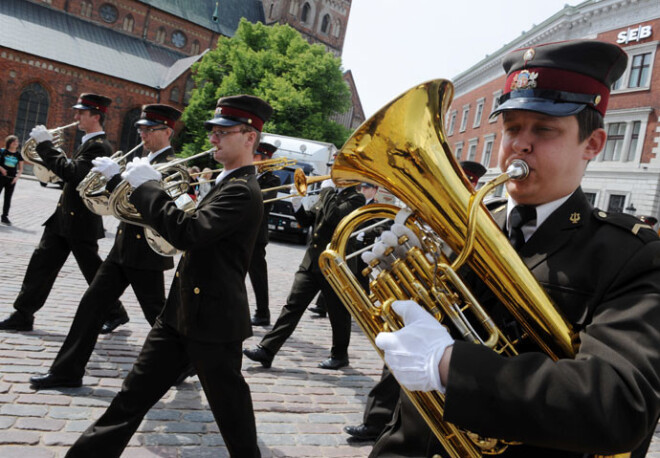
261 355
362 432
260 320
50 380
6 221
16 322
189 372
320 311
113 324
334 363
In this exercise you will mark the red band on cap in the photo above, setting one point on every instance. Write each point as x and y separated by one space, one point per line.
158 117
255 121
94 105
559 80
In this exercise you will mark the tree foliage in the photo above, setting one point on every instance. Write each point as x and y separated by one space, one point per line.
302 82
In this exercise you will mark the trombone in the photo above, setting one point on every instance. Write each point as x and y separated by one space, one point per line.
30 155
267 165
300 181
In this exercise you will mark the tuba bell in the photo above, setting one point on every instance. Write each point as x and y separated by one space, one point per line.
403 148
29 154
93 190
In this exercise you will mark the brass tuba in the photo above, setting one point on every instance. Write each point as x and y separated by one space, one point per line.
404 149
176 181
29 154
92 188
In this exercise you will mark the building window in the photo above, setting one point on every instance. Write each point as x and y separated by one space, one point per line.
640 67
86 9
270 11
178 39
464 118
33 106
634 138
293 8
625 135
128 23
616 203
472 149
487 154
479 112
591 198
194 48
175 95
496 103
614 145
306 9
325 24
160 35
452 123
190 85
459 150
336 29
108 13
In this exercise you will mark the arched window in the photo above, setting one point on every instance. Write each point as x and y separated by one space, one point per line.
325 24
33 106
129 135
160 35
304 17
194 48
336 28
128 23
85 9
175 95
190 84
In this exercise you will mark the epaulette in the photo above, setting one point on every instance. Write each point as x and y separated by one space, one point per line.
627 223
98 140
238 179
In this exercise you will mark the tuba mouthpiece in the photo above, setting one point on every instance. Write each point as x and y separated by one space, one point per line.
518 170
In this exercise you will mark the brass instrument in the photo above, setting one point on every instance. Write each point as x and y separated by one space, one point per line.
176 181
267 165
300 181
92 188
29 154
403 148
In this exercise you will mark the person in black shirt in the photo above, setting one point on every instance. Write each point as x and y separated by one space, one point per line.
11 168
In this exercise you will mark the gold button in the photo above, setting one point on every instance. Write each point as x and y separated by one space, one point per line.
138 236
119 231
196 290
183 255
316 234
177 274
315 245
72 213
602 214
59 204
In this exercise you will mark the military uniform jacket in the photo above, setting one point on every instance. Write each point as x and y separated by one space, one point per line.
324 216
267 180
603 272
131 248
208 299
72 218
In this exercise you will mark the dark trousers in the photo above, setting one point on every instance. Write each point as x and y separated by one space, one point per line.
164 356
381 401
8 187
306 285
46 262
258 272
109 283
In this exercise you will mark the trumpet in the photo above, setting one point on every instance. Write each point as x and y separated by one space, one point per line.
268 165
300 181
176 182
93 190
29 154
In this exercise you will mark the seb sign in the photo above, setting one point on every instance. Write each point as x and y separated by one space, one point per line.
634 34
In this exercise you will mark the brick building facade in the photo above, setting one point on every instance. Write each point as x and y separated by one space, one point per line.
626 175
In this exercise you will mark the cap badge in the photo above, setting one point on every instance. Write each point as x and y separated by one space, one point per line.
529 55
524 80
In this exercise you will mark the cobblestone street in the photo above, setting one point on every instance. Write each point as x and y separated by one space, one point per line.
300 409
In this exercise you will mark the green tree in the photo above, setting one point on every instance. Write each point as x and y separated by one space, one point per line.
302 82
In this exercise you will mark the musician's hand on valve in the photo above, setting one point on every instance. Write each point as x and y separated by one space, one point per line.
139 171
296 200
105 166
40 134
413 353
327 184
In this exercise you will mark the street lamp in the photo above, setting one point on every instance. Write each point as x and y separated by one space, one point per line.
630 209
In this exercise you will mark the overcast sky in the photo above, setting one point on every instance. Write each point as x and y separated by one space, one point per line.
391 45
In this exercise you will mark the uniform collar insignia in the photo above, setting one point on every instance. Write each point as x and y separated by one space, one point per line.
575 217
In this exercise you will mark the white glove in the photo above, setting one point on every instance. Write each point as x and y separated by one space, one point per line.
139 172
327 184
360 237
296 200
41 134
105 166
413 353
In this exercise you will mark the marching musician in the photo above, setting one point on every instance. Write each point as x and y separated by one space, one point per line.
258 266
600 269
131 262
206 315
72 228
324 216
